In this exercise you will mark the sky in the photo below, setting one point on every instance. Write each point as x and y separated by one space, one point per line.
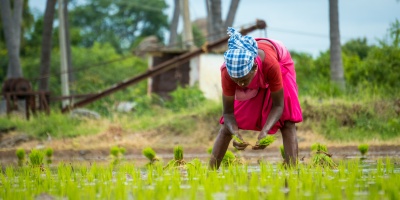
302 25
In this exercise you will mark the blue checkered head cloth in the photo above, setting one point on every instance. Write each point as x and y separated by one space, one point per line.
242 50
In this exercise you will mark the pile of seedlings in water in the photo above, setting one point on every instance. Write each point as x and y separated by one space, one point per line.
150 154
49 156
321 157
363 148
178 158
21 156
229 158
117 154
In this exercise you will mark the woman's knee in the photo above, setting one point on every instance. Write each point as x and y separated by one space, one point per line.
289 125
224 131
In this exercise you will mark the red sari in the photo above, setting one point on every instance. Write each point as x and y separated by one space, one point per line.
253 104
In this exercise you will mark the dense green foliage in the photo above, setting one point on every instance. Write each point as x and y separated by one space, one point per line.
120 22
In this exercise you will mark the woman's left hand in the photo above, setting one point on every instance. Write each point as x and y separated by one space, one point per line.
262 135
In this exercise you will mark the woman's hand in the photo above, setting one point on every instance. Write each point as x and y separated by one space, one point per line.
262 135
238 142
231 124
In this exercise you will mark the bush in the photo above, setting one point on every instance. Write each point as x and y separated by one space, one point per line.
183 98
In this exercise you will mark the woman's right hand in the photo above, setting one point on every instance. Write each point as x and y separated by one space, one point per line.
241 144
238 142
230 122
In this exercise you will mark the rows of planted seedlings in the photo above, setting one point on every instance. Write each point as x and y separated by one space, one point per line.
195 181
191 179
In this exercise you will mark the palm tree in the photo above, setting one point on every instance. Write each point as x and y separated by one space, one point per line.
12 31
337 74
46 45
173 29
214 11
231 13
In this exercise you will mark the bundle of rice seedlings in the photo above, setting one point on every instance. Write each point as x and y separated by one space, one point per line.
21 156
150 154
237 139
49 155
363 148
36 158
321 157
228 159
117 153
319 147
266 141
178 158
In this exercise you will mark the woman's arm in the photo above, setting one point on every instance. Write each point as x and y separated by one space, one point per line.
274 115
230 121
228 113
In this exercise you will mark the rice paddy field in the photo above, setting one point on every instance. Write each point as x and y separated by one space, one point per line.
347 179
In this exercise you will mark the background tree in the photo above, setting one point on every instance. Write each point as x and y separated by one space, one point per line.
215 25
214 10
11 20
231 13
46 45
337 73
71 75
119 22
173 28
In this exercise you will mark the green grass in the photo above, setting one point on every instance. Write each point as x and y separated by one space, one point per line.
55 125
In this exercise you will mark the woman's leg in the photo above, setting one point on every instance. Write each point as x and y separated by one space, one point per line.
220 146
290 144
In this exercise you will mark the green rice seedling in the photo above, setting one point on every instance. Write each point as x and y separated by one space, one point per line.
321 157
178 158
36 157
209 150
319 147
150 154
122 150
21 156
49 155
282 150
237 139
178 153
229 158
266 141
363 148
114 152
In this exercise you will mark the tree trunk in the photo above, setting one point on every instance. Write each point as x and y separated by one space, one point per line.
231 14
209 26
337 74
216 20
71 76
46 45
12 32
173 29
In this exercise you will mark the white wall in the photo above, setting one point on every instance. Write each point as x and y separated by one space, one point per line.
210 75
